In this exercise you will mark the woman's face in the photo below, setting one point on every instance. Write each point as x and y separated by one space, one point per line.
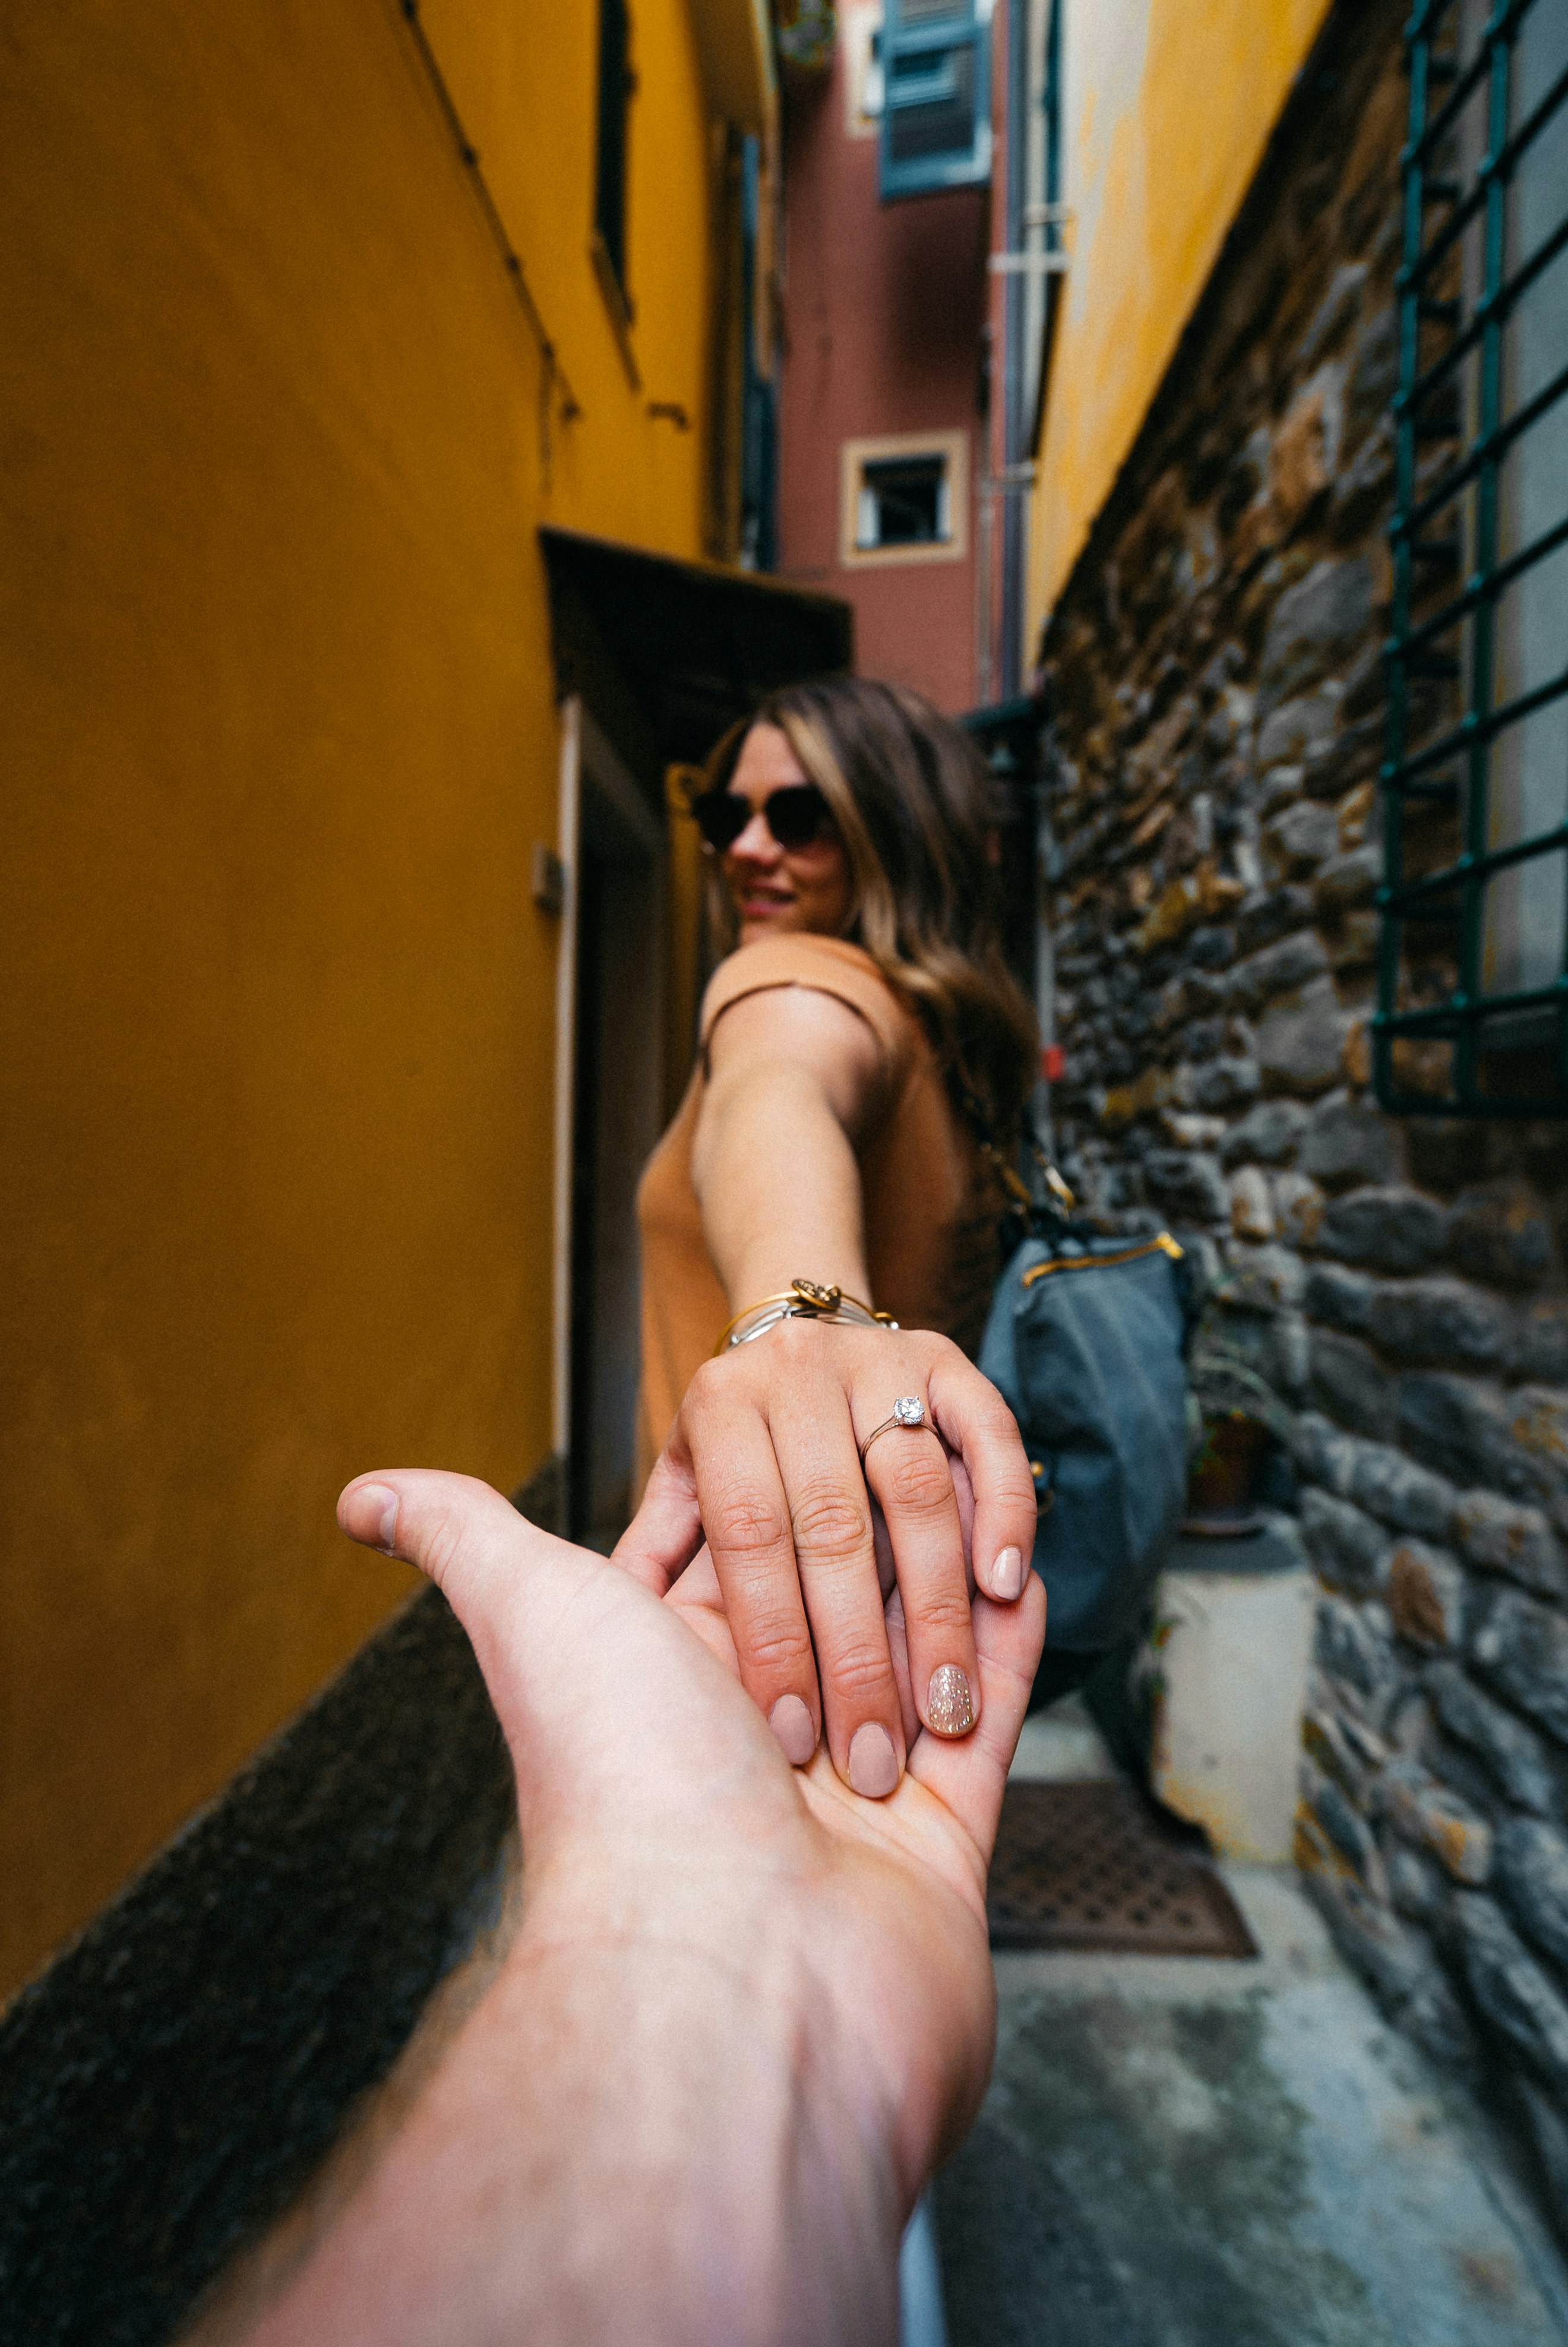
775 890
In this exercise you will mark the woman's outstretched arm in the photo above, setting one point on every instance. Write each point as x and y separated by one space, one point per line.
765 1459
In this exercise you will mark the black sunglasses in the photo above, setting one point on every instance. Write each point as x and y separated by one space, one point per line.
796 815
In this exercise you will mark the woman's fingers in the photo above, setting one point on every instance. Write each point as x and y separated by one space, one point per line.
835 1557
908 1469
746 1515
968 1778
977 1423
666 1533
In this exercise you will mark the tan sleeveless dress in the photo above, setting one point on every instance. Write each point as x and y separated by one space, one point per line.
931 1205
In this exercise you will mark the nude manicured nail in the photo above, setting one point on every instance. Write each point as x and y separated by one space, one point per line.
873 1763
370 1515
1007 1574
949 1707
791 1723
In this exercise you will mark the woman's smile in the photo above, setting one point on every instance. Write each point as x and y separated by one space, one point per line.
773 887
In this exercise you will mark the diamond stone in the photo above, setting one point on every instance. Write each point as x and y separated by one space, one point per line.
909 1410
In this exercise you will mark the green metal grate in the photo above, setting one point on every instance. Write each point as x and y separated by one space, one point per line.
1472 988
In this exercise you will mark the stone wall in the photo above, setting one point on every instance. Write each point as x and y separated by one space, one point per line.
1215 687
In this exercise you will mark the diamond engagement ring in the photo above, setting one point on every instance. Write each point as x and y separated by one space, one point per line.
909 1411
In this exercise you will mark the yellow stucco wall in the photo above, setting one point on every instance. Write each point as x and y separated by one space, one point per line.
277 718
1167 106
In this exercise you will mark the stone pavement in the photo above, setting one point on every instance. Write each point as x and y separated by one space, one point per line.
1180 2152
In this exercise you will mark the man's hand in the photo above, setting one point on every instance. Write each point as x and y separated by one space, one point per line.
745 2011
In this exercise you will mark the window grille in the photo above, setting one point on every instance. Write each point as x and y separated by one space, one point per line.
1472 985
937 97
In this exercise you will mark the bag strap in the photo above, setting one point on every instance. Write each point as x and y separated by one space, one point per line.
1049 1216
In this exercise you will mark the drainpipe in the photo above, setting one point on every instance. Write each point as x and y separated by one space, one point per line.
1014 300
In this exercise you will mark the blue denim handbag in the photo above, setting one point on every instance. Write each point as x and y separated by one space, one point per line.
1087 1341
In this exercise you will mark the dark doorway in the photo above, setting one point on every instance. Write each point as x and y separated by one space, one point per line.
618 1083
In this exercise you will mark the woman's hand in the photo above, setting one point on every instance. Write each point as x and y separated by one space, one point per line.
764 1464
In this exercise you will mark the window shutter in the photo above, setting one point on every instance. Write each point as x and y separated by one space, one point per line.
937 111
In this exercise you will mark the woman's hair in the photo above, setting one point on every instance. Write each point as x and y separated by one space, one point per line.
913 804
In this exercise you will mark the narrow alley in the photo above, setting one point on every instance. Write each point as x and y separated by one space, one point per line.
734 723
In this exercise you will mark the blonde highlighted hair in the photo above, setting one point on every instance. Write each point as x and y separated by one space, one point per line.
912 802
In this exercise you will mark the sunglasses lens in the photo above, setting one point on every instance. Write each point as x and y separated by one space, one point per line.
721 817
796 816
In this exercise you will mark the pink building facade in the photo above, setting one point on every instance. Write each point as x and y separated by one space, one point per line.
883 390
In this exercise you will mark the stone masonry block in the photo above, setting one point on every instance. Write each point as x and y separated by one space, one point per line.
1349 1141
1531 1880
1536 1458
1515 1442
1419 1888
1511 1990
1273 915
1457 1425
1346 881
1512 1753
1290 962
1502 1536
1343 1825
1426 1593
1226 1082
1350 1551
1427 1815
1313 624
1397 1492
1347 1380
1298 839
1266 1135
1340 1297
1355 1648
1334 314
1354 944
1211 947
1296 727
1442 1319
1499 1232
1187 1186
1252 1208
1540 1350
1385 1229
1264 1278
1396 1964
1301 1041
1322 1453
1521 1648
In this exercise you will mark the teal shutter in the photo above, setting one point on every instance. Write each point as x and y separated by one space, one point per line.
937 112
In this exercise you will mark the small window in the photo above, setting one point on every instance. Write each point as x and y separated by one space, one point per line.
860 34
905 500
935 96
616 84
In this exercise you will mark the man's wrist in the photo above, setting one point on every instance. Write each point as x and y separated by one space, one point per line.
744 2178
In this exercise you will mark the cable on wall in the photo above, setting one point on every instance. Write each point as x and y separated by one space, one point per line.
556 376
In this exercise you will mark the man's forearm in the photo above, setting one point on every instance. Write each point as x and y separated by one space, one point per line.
625 2141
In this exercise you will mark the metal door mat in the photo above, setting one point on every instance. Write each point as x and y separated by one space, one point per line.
1091 1865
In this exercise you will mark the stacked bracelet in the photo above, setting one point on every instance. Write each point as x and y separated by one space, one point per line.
804 1301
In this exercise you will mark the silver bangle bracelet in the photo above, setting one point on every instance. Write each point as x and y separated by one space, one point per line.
804 1301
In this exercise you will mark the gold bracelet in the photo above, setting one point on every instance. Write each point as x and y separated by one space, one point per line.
805 1299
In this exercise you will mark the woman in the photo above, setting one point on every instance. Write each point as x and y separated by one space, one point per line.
851 1049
